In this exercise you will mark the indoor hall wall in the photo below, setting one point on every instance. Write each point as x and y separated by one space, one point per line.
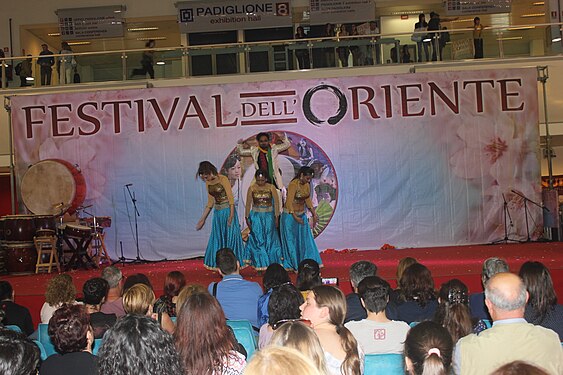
31 12
554 89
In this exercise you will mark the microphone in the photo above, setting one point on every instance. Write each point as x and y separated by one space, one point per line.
129 185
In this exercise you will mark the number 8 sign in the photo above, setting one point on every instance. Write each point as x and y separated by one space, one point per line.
282 9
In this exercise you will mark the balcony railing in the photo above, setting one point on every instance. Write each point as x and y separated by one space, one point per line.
280 55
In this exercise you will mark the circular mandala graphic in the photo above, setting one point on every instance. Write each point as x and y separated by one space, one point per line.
302 152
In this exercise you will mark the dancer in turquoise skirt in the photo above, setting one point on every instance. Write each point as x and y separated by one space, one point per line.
263 242
225 231
296 235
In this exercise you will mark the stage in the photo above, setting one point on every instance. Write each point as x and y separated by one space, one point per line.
463 262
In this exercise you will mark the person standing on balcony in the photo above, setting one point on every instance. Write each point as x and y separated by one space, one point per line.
478 37
302 55
46 64
66 64
420 27
147 61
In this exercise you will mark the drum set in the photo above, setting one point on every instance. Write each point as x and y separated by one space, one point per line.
53 191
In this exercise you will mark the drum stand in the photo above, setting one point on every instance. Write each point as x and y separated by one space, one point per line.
97 243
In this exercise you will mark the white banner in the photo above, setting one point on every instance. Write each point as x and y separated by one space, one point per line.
411 160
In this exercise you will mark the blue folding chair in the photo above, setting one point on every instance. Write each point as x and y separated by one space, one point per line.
173 319
413 324
388 364
45 340
41 350
97 345
487 322
244 334
13 328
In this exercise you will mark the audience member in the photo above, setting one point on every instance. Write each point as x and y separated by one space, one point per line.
404 263
542 308
186 292
60 290
139 299
137 278
358 271
274 277
491 267
203 340
377 334
417 299
519 368
511 338
428 350
173 283
18 354
283 305
297 335
453 309
14 314
114 302
325 308
71 334
308 276
94 291
137 345
238 297
280 361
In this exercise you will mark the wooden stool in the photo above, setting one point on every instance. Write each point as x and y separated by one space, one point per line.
97 249
46 246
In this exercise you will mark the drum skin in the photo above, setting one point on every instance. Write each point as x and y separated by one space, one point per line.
53 186
77 231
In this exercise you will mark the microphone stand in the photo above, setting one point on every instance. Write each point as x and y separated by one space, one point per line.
138 259
526 211
506 214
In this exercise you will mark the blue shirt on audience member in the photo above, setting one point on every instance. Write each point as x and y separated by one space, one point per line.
238 298
477 306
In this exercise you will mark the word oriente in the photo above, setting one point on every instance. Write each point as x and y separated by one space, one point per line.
289 106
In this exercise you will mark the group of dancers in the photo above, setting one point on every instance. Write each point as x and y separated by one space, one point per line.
276 235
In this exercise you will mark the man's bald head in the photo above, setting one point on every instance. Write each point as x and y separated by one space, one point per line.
507 293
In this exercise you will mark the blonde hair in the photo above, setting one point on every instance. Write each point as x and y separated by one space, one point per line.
138 299
298 336
333 299
280 361
186 292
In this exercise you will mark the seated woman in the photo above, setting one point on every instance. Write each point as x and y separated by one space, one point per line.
417 299
274 277
542 308
283 305
137 345
18 354
428 350
72 336
325 308
186 292
203 340
453 310
299 336
173 283
60 290
94 291
139 299
308 276
280 361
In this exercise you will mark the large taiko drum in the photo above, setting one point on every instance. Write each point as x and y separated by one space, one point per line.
53 186
18 228
20 257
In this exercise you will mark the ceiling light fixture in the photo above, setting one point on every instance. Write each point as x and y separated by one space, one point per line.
521 28
160 63
538 3
555 40
54 34
530 15
463 20
145 38
406 12
79 43
137 29
510 38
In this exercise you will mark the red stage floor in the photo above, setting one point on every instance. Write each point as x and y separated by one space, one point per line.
463 262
